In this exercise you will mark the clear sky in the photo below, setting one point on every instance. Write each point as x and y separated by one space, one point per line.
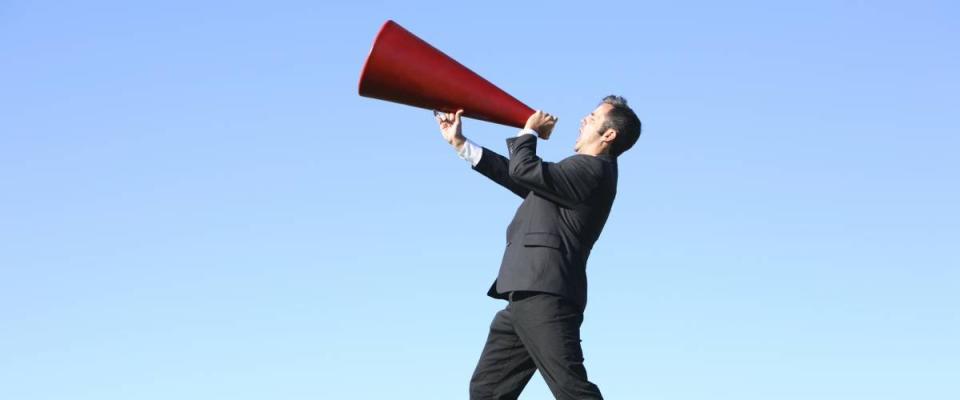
196 204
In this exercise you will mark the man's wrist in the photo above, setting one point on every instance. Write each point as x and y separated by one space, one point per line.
528 131
458 142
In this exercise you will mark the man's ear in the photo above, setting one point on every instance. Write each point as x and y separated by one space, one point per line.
609 135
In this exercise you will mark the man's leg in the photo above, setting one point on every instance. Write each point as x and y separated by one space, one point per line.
505 367
549 327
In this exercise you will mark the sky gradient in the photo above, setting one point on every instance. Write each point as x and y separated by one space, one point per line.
196 204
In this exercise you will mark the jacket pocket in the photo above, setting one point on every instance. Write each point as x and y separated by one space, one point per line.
545 239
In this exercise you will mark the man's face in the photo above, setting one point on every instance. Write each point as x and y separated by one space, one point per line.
590 127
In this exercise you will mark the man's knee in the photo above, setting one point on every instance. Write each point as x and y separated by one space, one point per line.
574 388
485 390
480 390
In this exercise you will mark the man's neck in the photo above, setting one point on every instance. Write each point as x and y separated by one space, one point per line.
593 152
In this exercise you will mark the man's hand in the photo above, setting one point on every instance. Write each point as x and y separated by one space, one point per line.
542 123
450 128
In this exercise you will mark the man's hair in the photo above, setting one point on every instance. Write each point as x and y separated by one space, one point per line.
623 120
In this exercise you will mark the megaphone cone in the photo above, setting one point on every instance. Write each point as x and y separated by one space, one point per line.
404 69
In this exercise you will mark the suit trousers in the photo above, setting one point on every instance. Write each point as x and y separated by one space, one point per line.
536 331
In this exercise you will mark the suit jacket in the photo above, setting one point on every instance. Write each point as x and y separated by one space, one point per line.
565 206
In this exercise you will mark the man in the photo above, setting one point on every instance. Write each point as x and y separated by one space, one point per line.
543 272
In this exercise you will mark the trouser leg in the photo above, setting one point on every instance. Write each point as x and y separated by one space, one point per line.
549 328
505 367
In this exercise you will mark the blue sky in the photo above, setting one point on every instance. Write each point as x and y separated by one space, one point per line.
196 204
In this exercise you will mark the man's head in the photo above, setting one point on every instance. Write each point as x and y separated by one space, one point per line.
611 128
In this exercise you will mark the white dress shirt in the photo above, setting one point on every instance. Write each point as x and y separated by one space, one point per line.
472 153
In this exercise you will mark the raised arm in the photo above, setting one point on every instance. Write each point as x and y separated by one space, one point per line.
482 160
567 183
497 168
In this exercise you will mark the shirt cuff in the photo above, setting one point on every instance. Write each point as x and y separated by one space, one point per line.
470 152
527 132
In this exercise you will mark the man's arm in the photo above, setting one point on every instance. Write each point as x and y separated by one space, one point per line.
493 166
481 159
567 183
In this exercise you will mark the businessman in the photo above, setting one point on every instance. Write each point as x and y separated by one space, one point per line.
543 272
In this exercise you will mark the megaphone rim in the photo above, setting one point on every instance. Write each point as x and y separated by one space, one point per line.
376 39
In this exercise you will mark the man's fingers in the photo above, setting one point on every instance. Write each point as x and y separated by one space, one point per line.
439 116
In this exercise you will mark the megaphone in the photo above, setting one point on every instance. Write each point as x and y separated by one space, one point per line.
403 68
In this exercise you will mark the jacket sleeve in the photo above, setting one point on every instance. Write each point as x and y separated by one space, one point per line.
496 167
567 183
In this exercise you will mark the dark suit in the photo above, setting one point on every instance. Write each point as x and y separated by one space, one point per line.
564 209
543 271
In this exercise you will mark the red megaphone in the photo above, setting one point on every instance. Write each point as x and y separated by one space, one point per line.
404 69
